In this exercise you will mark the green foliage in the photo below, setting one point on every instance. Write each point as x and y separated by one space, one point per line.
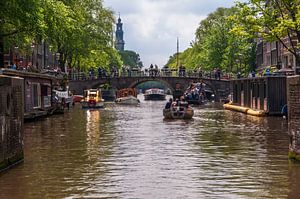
216 46
275 20
80 30
131 58
20 22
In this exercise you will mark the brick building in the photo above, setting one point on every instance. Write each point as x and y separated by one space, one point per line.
39 56
274 54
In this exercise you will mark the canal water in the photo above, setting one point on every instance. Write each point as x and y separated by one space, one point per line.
132 152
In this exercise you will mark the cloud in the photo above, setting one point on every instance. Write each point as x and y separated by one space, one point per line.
151 27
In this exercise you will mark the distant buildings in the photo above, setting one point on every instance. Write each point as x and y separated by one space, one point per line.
38 56
119 45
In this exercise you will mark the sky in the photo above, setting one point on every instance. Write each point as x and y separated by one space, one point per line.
151 27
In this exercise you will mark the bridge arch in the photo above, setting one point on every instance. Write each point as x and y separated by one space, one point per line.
137 82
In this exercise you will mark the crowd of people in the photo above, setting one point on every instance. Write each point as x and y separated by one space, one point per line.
195 92
177 103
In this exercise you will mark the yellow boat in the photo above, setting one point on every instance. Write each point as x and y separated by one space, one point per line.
92 98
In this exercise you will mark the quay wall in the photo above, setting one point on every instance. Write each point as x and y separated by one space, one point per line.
11 121
293 94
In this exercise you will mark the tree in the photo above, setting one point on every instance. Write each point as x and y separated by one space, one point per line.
20 22
79 30
272 20
131 58
216 47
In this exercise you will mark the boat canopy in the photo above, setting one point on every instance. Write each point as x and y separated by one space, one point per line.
154 91
92 94
126 92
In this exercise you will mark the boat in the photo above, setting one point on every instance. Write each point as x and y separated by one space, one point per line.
178 112
92 98
155 94
77 98
195 94
127 96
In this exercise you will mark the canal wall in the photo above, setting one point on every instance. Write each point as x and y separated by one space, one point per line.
293 93
11 120
267 94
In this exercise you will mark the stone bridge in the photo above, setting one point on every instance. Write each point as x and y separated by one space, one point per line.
220 88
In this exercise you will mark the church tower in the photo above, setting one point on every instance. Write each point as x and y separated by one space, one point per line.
119 36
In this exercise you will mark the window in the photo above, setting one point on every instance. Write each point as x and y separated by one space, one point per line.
268 46
273 45
44 96
291 61
36 95
268 60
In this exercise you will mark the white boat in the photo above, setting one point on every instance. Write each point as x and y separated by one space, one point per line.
155 94
127 96
129 100
92 98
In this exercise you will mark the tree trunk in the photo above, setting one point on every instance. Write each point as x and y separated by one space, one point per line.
1 52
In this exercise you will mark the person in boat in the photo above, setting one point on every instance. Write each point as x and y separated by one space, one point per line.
183 102
176 102
169 104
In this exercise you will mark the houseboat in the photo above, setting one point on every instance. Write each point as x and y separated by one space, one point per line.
92 98
155 94
127 96
37 90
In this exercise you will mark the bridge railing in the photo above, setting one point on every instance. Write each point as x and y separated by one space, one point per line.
146 73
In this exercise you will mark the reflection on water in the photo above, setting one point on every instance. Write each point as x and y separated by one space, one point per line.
131 152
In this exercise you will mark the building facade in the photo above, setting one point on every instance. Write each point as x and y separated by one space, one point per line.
38 56
274 54
119 45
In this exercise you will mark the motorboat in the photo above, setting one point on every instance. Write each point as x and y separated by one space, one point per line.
127 96
197 94
77 98
155 94
178 112
92 98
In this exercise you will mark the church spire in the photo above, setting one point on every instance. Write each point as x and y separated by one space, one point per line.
119 35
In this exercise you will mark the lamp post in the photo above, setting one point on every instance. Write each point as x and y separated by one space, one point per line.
32 54
15 66
57 59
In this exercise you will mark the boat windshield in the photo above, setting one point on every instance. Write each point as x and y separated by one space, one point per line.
92 95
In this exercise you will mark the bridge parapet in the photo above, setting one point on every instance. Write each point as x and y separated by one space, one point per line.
221 88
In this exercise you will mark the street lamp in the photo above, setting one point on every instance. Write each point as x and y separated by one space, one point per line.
16 62
32 54
57 59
